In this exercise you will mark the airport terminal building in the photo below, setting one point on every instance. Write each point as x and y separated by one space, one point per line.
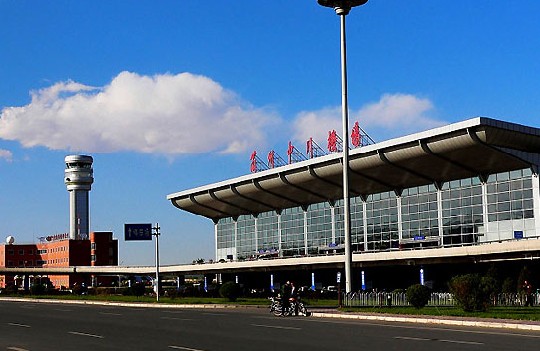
435 194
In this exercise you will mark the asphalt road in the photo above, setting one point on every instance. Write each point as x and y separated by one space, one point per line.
44 326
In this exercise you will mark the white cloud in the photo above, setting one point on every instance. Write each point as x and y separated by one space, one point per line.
6 155
393 115
168 114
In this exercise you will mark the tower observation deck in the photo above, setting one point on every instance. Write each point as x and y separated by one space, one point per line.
78 178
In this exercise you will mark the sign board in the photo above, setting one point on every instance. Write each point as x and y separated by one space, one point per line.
338 277
518 234
138 231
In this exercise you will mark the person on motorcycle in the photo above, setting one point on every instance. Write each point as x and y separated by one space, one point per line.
285 296
294 298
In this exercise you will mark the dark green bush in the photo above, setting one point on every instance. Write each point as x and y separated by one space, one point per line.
472 292
230 290
418 295
37 289
11 290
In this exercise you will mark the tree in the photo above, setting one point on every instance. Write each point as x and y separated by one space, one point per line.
472 291
418 295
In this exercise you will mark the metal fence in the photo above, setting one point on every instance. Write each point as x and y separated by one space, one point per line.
380 299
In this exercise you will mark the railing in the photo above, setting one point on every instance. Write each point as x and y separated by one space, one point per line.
384 299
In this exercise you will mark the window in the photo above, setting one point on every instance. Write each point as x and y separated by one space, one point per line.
93 246
93 258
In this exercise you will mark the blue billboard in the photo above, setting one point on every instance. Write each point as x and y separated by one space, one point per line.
138 231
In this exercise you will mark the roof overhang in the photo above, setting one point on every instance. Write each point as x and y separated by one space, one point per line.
475 147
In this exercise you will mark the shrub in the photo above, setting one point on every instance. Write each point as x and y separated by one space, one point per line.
472 292
11 290
418 295
229 290
37 289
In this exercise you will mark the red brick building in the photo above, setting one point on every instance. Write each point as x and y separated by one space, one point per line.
59 251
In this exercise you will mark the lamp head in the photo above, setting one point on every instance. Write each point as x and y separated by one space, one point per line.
342 7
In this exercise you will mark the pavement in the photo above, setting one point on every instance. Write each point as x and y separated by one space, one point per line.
325 313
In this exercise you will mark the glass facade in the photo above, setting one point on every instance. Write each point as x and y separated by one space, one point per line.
462 211
419 217
456 213
292 232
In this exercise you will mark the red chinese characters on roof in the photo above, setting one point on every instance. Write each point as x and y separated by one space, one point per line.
332 141
309 148
253 158
290 151
356 138
271 160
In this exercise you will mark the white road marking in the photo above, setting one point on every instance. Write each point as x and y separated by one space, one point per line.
85 334
439 340
176 319
110 313
411 338
62 310
184 348
275 327
214 314
13 348
462 342
19 325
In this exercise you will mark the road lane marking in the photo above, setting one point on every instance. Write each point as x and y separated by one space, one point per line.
411 338
19 325
462 342
214 314
184 348
275 327
62 310
85 334
176 319
13 348
110 313
439 340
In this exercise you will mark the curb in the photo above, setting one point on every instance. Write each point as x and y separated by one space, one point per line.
422 320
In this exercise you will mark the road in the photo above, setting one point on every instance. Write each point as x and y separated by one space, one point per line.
45 326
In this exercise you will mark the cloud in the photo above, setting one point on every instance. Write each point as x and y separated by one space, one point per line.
168 114
393 115
6 155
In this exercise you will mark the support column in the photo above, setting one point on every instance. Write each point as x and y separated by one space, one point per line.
485 213
536 201
440 213
305 233
279 234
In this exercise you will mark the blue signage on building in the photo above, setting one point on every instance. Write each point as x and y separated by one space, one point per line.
139 231
518 234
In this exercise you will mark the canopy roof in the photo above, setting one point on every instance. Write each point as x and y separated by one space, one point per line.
475 147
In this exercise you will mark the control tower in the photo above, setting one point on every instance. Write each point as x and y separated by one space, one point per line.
78 178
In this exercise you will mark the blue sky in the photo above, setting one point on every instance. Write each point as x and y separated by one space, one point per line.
171 95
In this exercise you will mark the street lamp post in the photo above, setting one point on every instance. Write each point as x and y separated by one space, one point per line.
342 8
